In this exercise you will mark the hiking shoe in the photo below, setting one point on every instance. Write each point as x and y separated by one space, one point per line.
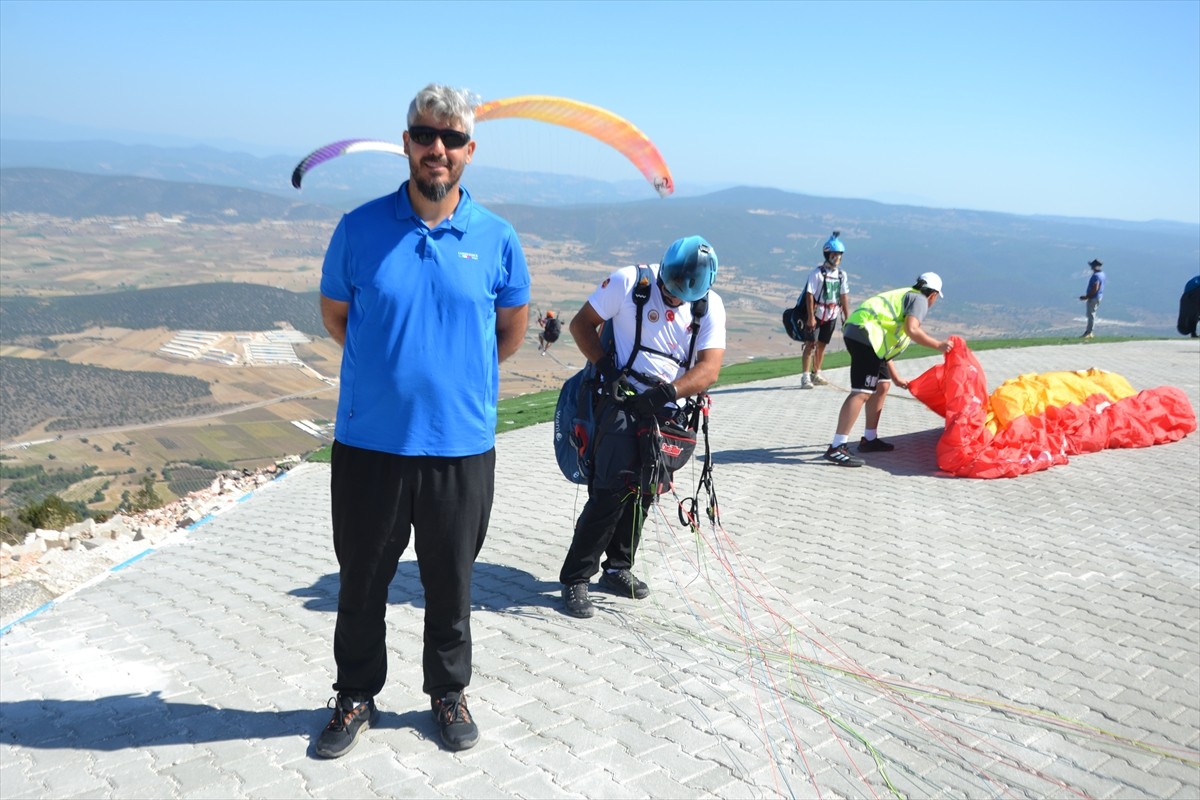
351 716
459 731
575 596
625 583
805 381
819 380
875 445
840 455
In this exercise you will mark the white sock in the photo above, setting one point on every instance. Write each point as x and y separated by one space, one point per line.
871 434
839 440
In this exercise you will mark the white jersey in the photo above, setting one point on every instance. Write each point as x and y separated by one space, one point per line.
827 288
664 328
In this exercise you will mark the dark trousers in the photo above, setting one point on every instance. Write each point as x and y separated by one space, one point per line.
611 521
378 500
610 525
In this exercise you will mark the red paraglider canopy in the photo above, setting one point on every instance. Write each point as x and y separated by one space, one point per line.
1065 414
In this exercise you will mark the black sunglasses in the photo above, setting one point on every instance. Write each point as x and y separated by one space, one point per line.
424 136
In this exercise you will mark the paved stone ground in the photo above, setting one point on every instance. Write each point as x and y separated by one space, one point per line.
893 632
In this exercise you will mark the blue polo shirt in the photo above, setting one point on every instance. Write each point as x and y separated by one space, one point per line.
420 367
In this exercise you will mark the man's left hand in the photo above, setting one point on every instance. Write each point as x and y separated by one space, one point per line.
650 401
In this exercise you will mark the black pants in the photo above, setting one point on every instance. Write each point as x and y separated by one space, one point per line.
378 500
611 521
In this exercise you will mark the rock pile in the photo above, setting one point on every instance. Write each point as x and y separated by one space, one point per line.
48 564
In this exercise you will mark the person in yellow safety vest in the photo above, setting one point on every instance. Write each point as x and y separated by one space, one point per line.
879 330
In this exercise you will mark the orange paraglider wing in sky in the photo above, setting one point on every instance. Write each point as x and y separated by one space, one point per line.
618 133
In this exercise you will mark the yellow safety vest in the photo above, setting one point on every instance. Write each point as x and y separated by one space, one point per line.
882 317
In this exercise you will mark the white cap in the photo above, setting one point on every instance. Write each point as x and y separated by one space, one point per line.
933 281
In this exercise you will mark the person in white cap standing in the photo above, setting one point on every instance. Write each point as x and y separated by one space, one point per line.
880 329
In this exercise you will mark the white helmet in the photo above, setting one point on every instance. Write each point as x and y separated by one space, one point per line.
931 280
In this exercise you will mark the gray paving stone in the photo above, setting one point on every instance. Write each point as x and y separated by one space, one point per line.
980 640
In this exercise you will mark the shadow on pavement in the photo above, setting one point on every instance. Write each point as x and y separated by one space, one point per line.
915 454
122 722
496 588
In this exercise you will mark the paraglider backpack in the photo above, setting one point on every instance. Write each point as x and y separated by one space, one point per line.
579 401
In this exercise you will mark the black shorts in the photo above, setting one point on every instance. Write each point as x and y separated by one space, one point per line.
824 331
866 368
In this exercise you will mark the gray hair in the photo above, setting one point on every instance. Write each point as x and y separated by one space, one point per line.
446 105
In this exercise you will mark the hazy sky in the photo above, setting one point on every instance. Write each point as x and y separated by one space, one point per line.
1071 108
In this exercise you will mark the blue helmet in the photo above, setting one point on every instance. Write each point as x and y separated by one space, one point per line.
689 268
833 244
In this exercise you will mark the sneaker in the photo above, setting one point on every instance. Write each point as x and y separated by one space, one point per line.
575 596
805 381
350 718
875 445
625 583
840 455
1086 336
819 380
459 731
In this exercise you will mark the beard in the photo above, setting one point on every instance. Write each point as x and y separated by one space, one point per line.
436 191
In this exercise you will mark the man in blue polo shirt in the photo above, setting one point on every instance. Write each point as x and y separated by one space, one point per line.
427 292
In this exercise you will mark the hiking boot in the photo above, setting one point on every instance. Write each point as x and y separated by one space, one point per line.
819 380
575 596
351 716
840 455
875 445
459 731
805 381
625 583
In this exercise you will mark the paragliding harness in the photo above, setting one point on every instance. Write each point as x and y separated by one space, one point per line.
585 403
550 334
795 320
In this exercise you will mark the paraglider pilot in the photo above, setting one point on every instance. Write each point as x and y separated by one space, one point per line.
645 379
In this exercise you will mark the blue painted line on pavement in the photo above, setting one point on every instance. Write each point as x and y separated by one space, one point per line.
125 563
129 561
199 522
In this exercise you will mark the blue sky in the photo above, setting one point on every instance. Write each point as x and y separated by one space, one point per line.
1087 109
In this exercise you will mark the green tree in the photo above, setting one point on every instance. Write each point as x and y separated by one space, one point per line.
143 499
52 514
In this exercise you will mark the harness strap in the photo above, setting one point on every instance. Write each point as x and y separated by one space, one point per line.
641 295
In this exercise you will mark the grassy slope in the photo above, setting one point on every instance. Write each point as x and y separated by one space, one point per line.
538 407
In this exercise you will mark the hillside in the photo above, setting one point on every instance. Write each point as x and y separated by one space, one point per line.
76 195
79 396
208 307
1004 273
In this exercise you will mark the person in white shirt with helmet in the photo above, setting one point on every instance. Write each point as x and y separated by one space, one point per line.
826 298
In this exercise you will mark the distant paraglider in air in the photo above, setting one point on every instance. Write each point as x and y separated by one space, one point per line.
345 146
617 132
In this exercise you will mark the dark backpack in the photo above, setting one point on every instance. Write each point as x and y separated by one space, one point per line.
552 330
793 322
577 411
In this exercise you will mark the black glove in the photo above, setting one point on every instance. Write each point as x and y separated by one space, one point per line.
607 367
650 401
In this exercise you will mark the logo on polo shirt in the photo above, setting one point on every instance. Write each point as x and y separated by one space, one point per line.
469 256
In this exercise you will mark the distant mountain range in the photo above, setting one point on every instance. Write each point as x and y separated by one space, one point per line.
341 183
1026 270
